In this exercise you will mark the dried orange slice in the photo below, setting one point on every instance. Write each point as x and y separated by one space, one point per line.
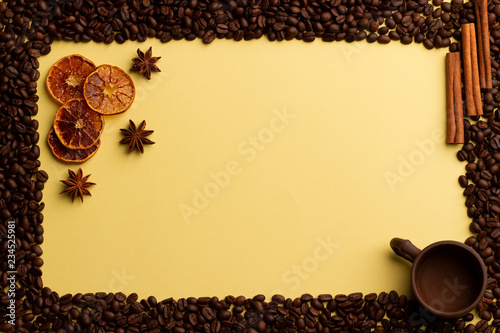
77 126
109 90
67 76
70 155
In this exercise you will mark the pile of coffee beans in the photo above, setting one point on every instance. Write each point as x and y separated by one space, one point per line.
103 312
27 30
433 24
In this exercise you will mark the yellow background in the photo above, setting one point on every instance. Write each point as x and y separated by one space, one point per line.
362 113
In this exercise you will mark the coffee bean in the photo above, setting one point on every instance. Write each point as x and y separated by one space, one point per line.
208 313
240 300
462 155
309 36
481 325
394 35
209 37
483 184
383 39
462 180
406 39
306 297
372 37
280 299
428 44
495 144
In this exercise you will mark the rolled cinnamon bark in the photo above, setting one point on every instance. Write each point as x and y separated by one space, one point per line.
467 61
485 40
454 105
450 100
457 95
476 87
480 44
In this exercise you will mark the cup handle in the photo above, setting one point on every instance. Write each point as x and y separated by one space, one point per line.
404 248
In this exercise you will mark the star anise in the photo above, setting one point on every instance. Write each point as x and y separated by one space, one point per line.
145 63
484 304
77 184
135 137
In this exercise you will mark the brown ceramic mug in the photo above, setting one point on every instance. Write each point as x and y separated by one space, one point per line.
448 278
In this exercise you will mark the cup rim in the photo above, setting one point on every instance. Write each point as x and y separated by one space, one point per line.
448 314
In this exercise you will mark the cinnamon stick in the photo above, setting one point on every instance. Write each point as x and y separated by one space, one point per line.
480 44
467 60
476 88
454 106
450 100
457 94
482 13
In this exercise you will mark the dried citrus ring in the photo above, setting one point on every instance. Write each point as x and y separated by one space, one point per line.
76 125
67 76
109 90
70 155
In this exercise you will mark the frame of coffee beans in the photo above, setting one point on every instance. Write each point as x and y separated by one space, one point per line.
27 30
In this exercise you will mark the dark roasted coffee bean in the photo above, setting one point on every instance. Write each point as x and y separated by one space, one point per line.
462 180
483 184
239 301
470 328
317 304
390 23
208 313
209 37
280 299
481 325
372 37
383 39
428 44
406 39
462 155
325 297
309 36
306 297
383 30
394 35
